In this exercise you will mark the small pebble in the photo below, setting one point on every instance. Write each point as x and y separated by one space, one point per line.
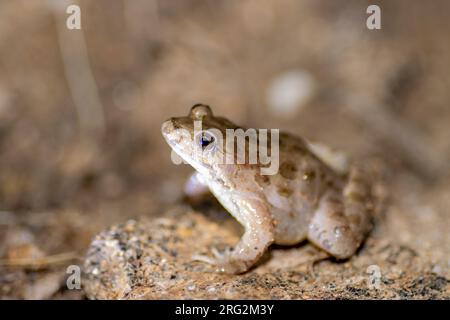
211 289
190 287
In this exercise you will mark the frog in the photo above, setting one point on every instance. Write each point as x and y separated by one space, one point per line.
307 198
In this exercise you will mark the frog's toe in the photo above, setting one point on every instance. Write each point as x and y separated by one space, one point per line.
219 258
222 261
203 258
221 255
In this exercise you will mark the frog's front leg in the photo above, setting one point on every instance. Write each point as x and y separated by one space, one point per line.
195 188
254 215
341 221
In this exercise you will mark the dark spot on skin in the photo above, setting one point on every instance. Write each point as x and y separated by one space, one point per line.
338 214
299 149
334 200
356 219
288 170
331 184
356 197
262 180
358 180
284 191
309 175
176 125
222 182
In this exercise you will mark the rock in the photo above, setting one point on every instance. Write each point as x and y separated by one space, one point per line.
153 260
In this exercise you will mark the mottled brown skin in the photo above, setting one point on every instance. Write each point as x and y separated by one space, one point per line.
306 198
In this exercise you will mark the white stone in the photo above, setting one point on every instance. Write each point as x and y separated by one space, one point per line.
289 92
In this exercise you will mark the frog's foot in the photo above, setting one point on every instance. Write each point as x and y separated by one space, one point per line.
195 189
222 261
203 258
218 256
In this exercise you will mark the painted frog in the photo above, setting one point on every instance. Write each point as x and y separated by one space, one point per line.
305 199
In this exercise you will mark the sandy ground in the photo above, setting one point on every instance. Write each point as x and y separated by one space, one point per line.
154 260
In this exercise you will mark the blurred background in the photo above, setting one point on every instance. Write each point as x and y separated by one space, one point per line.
81 110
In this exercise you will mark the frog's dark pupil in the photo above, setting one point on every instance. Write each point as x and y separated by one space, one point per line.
205 140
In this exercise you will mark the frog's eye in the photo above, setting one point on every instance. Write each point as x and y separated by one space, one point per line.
206 139
199 111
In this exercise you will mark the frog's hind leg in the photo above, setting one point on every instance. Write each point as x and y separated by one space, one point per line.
359 205
341 223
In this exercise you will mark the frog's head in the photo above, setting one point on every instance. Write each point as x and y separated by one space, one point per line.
198 138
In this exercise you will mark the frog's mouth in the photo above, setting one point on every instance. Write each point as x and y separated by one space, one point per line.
167 127
175 134
180 140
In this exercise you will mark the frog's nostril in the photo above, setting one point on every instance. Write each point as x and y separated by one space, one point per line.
167 126
176 125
